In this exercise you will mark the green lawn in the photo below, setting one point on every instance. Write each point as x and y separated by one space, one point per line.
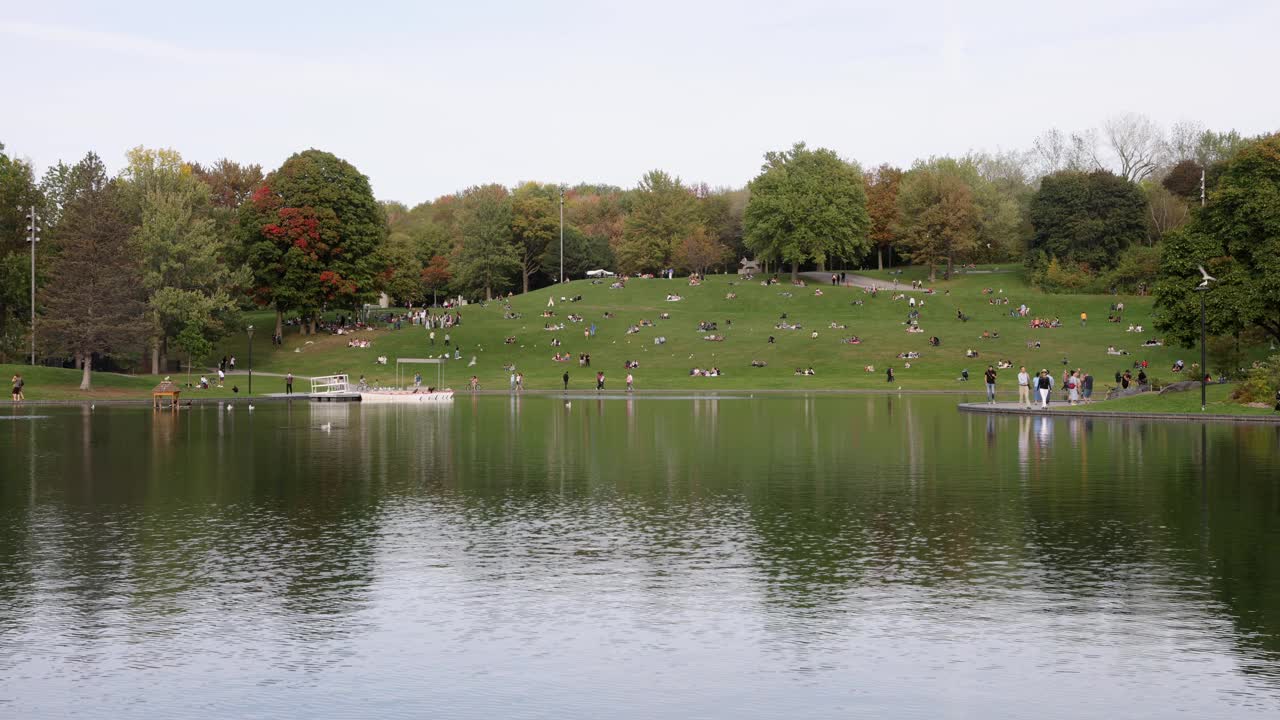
746 324
44 383
1218 401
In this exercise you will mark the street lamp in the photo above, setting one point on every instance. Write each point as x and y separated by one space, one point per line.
562 234
249 330
1203 288
33 238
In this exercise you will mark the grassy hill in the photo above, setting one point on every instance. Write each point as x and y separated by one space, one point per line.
746 323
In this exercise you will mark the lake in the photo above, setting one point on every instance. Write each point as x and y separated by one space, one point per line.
543 557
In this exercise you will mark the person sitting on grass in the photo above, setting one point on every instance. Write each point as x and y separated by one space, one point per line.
854 340
869 368
759 363
1178 365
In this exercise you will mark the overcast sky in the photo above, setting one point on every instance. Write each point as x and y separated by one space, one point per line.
427 99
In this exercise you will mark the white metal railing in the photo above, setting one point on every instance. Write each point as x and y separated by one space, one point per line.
329 385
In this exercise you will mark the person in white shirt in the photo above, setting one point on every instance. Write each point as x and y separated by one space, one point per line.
1024 387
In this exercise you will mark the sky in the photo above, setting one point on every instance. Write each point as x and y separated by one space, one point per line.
429 98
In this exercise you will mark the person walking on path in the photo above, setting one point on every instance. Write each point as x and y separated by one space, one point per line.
1024 387
232 364
888 374
288 383
1084 317
446 339
991 384
18 384
600 380
1073 388
519 382
1086 385
432 337
1044 385
631 383
565 378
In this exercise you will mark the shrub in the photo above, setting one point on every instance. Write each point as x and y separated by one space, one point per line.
1260 383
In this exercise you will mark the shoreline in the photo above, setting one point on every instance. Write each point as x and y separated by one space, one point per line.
458 394
982 408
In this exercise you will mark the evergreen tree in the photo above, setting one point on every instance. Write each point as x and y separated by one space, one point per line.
93 303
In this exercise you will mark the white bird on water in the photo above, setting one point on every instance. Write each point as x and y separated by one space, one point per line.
1207 277
229 406
326 427
250 407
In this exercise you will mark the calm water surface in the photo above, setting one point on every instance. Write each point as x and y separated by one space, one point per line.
741 558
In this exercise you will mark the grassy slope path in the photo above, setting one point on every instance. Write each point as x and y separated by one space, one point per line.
746 323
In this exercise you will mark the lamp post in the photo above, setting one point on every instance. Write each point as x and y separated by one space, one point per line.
33 238
1203 288
562 234
249 330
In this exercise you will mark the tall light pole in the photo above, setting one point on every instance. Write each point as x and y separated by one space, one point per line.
562 234
1203 288
33 238
250 331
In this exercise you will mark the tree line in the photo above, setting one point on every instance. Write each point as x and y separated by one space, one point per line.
162 260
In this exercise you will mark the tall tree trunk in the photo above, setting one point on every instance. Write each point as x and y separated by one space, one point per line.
933 273
279 323
525 276
795 271
164 355
88 368
488 293
879 258
155 356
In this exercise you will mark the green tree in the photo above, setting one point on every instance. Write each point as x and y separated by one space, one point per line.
1236 237
313 236
1087 218
18 193
721 213
807 205
93 303
185 274
403 279
582 252
937 216
663 212
486 258
535 220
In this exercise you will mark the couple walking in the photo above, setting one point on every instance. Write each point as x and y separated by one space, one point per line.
1042 383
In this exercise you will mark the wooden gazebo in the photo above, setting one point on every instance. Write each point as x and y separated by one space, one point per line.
162 391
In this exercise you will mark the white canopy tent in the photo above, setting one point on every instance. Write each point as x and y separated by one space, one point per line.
599 273
420 361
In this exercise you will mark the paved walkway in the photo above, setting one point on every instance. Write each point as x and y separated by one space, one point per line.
1098 410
